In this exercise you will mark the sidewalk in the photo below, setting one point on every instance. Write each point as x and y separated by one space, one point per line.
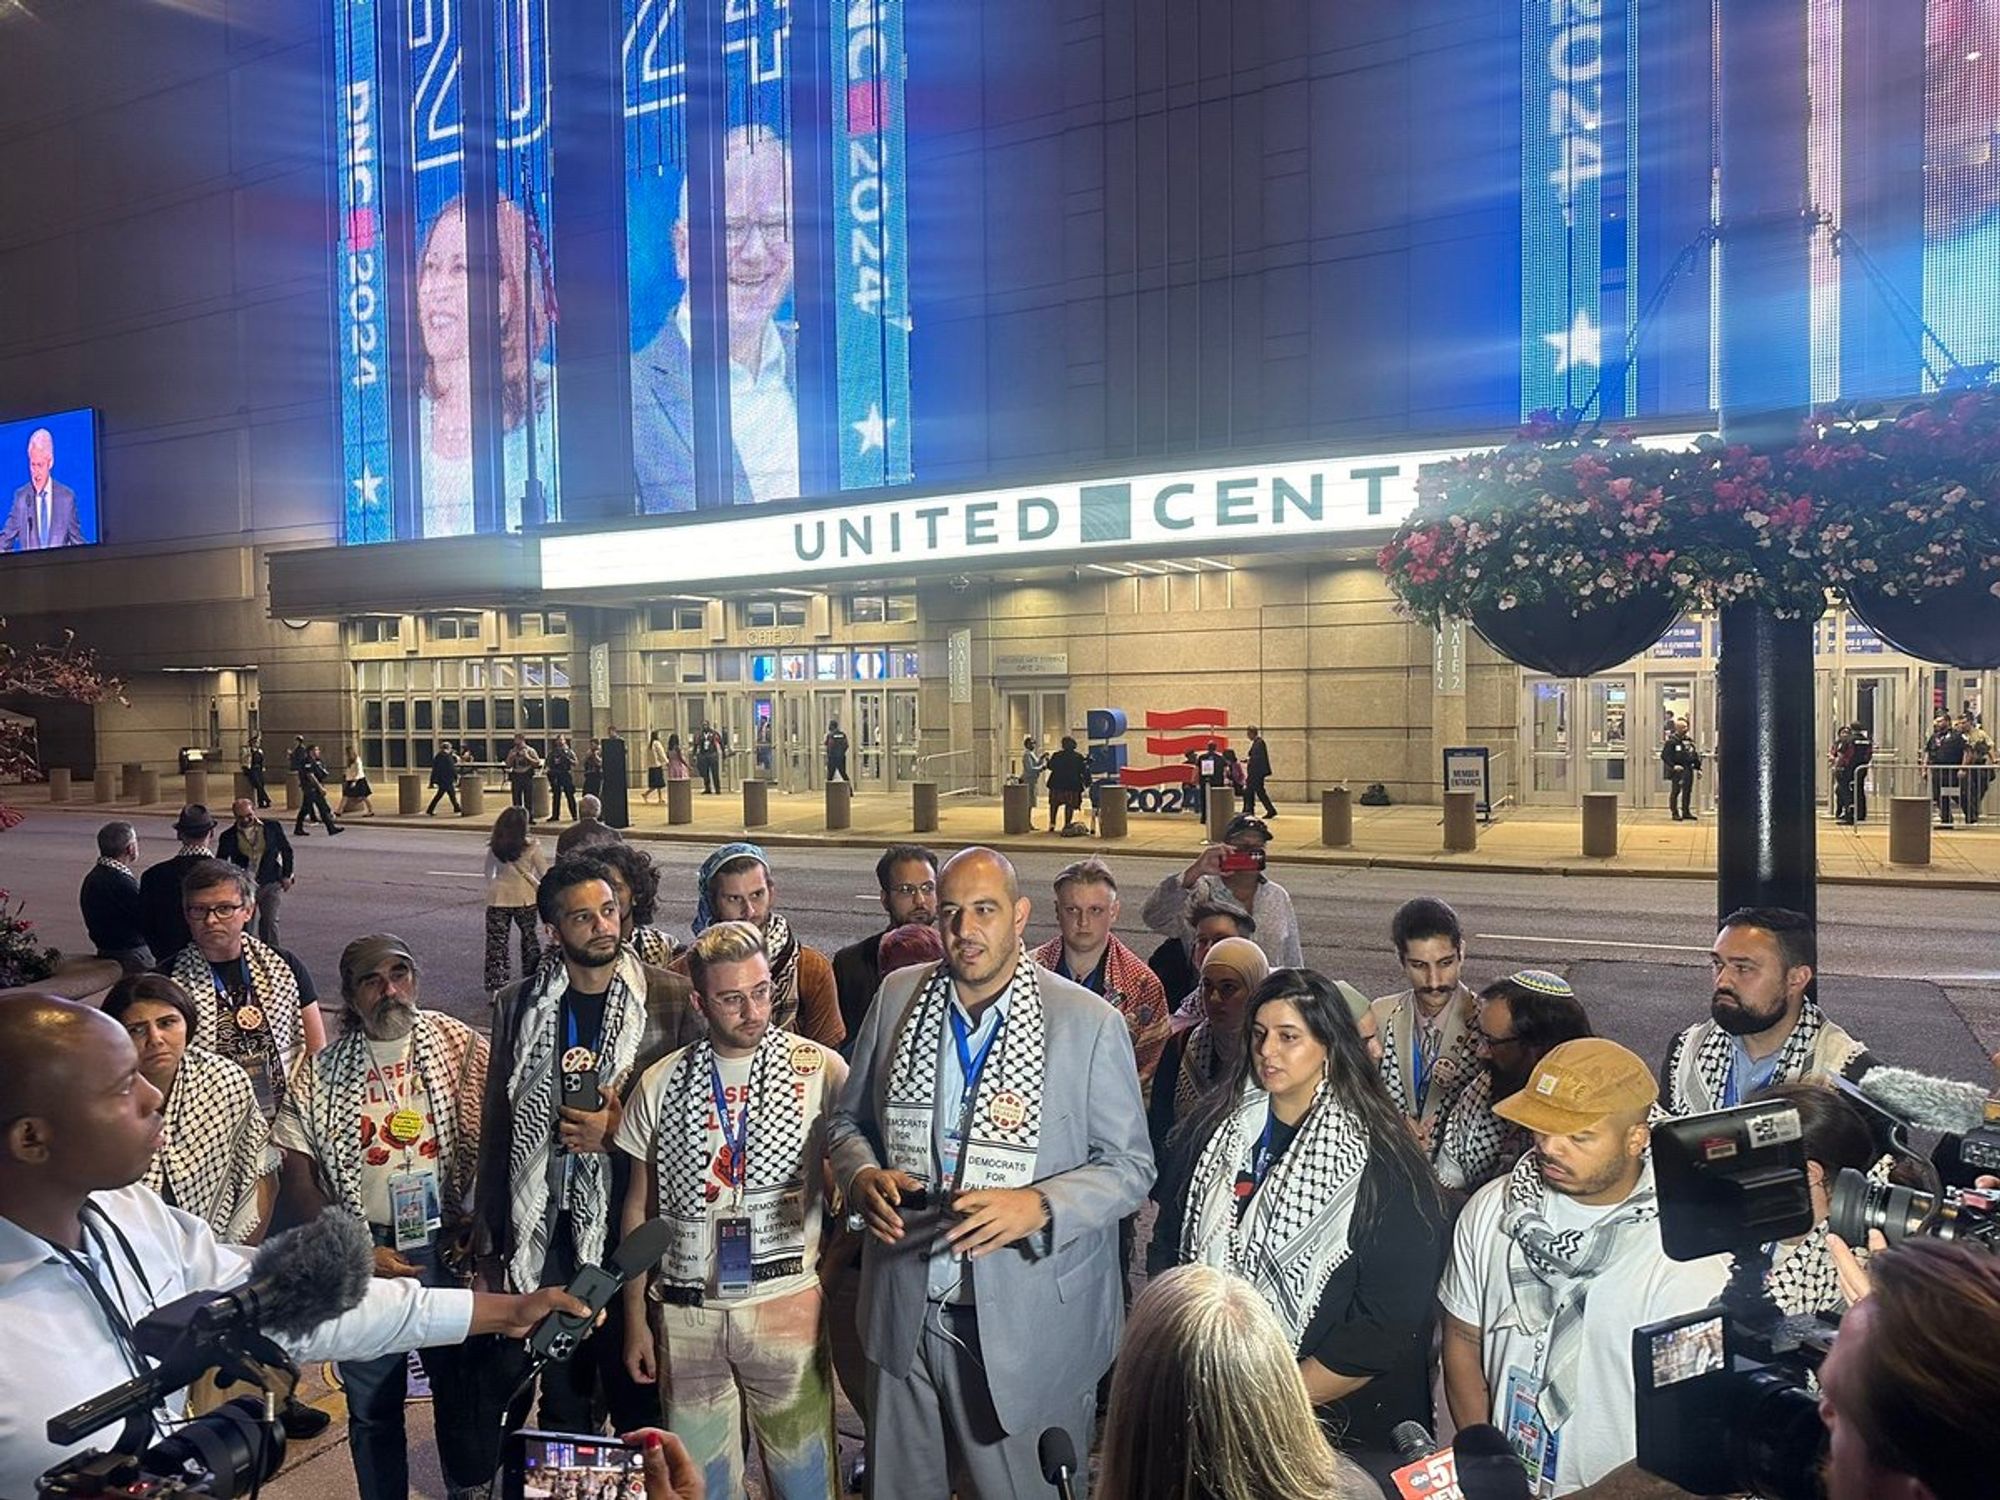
1520 841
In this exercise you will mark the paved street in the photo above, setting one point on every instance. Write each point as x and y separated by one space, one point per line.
1915 972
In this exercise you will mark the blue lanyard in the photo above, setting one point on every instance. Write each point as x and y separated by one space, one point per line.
242 969
970 1067
572 1027
735 1138
1421 1066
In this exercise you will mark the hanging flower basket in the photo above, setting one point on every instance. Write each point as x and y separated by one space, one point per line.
1579 524
1958 625
1549 635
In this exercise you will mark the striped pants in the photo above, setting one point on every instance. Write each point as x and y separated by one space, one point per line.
498 920
767 1361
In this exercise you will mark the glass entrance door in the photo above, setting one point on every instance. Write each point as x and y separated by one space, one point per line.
904 743
868 757
1548 781
1608 755
1042 712
1670 699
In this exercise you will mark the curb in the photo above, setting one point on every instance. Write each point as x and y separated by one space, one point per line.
1307 855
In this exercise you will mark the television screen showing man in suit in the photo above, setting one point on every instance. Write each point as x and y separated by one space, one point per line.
48 471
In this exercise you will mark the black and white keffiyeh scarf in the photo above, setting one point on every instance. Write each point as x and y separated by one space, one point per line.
1704 1053
448 1059
1197 1075
532 1092
1803 1278
274 994
654 946
1551 1272
1005 1131
782 949
1453 1068
774 1163
214 1153
1294 1234
1474 1144
106 862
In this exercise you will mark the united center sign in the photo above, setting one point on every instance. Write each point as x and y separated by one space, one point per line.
1210 509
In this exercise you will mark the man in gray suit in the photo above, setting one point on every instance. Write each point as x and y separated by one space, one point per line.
992 1136
44 510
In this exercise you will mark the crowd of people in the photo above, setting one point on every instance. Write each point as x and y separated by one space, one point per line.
914 1170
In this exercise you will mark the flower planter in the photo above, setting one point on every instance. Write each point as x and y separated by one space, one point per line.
1548 636
76 978
1957 626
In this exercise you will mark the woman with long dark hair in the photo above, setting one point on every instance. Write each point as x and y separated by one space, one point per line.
1308 1184
514 868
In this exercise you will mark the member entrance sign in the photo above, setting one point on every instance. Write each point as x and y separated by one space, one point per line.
1469 768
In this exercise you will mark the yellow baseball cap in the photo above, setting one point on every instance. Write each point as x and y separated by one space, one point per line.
1579 1084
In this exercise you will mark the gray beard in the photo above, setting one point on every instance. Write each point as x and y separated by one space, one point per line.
390 1024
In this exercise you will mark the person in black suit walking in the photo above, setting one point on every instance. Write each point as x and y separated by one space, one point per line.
1257 771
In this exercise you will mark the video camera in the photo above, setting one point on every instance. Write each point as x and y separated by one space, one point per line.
1724 1397
225 1453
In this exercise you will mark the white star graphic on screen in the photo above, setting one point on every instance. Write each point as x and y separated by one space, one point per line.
369 487
1576 347
873 429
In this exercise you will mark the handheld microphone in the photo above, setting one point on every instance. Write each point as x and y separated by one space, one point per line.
1413 1441
1488 1468
557 1335
1058 1455
300 1279
1479 1465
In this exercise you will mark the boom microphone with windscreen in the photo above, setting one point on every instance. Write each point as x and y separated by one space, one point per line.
299 1280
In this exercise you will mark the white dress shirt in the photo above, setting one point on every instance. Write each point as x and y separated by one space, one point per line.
763 415
58 1349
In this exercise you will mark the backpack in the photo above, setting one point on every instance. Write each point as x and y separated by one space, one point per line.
1377 795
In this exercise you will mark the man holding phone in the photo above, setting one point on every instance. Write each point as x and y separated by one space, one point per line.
991 1136
727 1141
564 1044
1238 862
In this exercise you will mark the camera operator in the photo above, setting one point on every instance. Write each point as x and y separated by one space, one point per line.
86 1252
1907 1392
1804 1276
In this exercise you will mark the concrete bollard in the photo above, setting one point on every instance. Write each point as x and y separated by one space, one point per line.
240 786
1112 812
1336 818
128 778
924 806
680 802
58 783
409 794
839 805
756 803
1909 830
148 788
294 798
541 805
195 783
1017 813
472 795
104 784
1461 822
1221 808
1600 824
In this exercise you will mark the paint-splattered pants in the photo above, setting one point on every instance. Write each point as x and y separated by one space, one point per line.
766 1361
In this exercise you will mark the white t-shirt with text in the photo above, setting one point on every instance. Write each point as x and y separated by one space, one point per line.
1641 1286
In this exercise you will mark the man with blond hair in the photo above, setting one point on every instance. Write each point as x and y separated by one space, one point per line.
727 1143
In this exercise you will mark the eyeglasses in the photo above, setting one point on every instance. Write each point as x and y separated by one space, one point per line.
218 913
740 1000
906 890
